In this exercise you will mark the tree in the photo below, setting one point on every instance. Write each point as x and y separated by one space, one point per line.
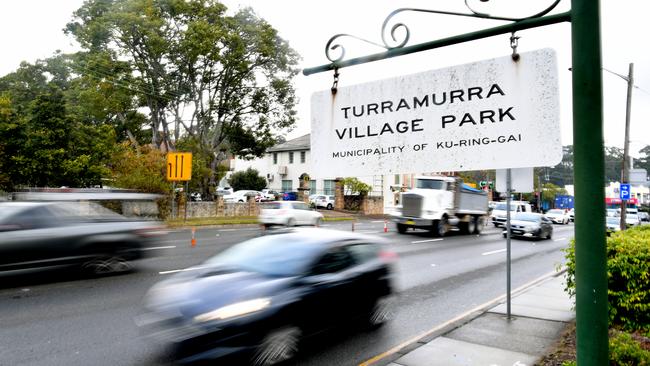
355 186
224 81
550 190
248 179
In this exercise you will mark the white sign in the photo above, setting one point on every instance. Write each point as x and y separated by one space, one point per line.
521 180
490 114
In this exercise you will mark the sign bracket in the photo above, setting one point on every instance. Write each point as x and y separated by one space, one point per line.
589 158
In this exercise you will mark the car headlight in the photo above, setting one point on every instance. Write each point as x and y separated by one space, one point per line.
234 310
530 229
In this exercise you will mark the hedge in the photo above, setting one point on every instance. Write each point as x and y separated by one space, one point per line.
628 274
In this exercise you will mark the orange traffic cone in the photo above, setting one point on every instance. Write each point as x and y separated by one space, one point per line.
385 226
193 242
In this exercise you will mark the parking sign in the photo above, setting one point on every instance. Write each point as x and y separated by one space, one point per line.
625 191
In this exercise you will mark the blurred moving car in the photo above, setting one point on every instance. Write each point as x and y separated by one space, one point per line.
558 216
612 212
289 213
322 200
242 196
531 225
260 298
86 234
612 224
572 215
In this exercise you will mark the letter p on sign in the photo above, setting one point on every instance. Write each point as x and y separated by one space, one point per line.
179 166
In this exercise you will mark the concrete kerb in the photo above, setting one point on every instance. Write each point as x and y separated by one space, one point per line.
387 357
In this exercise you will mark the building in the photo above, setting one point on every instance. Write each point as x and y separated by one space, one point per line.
283 164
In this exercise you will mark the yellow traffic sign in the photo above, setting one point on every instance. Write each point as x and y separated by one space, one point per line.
179 166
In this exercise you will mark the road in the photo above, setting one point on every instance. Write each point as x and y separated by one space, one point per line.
58 319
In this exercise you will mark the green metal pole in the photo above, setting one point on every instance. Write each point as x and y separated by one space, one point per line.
589 170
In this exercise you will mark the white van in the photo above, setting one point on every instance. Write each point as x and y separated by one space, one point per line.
499 213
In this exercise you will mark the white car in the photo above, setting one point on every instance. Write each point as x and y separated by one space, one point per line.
269 194
322 200
241 196
289 213
558 216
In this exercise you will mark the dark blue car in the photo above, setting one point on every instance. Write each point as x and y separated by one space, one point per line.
290 196
260 298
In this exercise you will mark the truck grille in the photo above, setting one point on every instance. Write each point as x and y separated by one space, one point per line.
412 205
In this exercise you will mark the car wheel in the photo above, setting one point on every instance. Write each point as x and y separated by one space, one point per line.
401 228
329 206
318 222
550 234
291 222
106 265
380 313
278 346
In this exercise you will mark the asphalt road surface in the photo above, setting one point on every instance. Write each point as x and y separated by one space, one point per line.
54 318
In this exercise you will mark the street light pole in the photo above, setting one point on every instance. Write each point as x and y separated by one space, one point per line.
625 175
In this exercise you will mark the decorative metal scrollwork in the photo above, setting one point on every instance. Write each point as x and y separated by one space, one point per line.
406 33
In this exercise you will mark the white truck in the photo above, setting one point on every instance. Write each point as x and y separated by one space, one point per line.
440 203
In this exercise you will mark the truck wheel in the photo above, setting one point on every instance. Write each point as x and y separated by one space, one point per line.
471 225
479 225
440 226
329 206
401 228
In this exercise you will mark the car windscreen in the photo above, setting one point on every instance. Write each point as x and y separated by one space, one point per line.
430 184
555 212
502 207
613 220
273 255
7 211
527 217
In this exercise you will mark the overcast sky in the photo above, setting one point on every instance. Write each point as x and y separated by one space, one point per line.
32 29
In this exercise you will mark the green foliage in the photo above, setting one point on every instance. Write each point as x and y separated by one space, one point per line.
141 168
355 186
232 72
248 179
624 350
628 274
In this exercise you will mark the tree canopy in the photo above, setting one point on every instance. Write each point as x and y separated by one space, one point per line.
223 81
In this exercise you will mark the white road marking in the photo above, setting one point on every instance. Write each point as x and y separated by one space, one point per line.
425 241
228 230
377 221
155 248
559 239
181 270
494 252
433 265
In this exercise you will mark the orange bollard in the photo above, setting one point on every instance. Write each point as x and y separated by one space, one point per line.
193 242
385 226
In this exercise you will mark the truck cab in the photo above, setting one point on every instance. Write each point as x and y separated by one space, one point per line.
440 203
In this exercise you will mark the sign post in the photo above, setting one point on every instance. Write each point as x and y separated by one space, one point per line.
589 158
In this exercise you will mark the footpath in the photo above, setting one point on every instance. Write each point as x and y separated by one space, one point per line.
539 314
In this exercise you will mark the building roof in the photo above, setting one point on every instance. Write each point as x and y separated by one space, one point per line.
299 143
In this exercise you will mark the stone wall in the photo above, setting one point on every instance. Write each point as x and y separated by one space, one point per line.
223 209
372 205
